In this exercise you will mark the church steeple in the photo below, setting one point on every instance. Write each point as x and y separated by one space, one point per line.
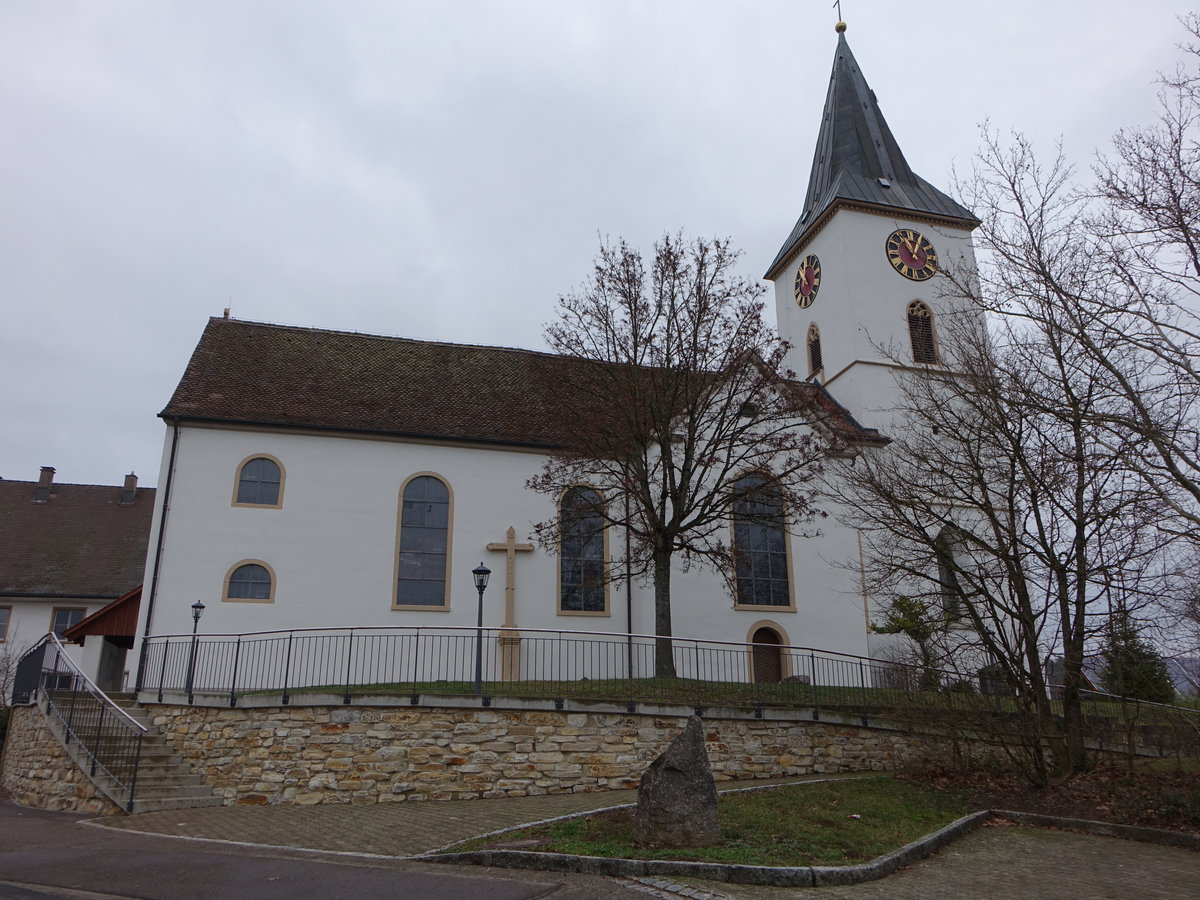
858 161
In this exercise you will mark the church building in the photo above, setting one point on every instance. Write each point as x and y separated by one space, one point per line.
316 478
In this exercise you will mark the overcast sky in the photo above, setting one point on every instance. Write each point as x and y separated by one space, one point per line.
441 170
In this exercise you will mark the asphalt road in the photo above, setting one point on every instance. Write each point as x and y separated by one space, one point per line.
45 854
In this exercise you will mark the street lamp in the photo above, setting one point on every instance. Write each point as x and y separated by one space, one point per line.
481 573
197 612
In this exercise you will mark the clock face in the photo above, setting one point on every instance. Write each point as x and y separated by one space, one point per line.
911 254
808 281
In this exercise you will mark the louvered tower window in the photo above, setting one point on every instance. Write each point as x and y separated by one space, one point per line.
815 362
920 333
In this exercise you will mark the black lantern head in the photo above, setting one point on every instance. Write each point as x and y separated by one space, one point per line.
197 611
481 573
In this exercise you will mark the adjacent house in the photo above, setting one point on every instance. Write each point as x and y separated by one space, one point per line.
67 551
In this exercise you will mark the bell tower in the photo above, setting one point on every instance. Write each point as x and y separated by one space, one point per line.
860 283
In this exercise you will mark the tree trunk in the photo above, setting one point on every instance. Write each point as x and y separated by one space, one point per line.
664 656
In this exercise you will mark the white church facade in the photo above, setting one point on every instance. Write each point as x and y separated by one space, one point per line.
317 479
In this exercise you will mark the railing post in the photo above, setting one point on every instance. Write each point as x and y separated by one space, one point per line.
415 696
816 698
99 732
755 692
71 716
137 761
349 659
862 686
287 669
631 703
237 655
696 675
162 671
137 685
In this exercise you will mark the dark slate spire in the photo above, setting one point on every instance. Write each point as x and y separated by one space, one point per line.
858 159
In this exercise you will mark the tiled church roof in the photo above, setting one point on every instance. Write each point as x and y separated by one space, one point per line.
82 542
256 373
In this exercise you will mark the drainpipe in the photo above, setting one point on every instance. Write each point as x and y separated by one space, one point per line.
162 530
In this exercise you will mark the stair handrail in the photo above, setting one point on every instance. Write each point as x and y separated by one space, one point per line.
85 716
78 673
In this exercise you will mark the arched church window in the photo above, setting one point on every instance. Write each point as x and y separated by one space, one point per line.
815 362
921 334
260 482
424 543
760 543
250 580
581 583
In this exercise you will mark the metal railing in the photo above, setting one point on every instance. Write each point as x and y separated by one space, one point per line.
103 739
625 669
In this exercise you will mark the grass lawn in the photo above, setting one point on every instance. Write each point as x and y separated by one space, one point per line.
819 824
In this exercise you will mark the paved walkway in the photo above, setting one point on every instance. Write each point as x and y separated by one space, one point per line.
995 863
405 828
1011 863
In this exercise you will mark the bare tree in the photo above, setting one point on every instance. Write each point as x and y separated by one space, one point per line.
682 392
1116 264
997 504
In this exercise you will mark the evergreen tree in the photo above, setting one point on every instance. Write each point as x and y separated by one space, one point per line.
1132 667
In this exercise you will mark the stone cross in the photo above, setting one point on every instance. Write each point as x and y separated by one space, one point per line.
510 548
510 641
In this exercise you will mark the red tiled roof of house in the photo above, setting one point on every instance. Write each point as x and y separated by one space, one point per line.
81 543
256 373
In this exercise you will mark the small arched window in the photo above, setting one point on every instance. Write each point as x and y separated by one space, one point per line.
815 362
759 543
581 585
260 482
424 543
250 581
921 333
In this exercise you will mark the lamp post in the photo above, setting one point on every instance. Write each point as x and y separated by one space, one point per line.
197 612
481 573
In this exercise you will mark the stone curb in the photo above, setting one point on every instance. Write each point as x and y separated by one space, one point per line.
779 876
1183 839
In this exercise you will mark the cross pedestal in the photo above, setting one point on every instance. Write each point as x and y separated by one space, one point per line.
510 641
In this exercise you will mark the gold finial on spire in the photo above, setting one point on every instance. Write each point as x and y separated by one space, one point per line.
840 27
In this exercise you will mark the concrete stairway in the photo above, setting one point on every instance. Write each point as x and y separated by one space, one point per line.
164 779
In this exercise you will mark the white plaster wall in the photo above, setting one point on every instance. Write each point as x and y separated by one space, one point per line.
31 620
860 307
332 546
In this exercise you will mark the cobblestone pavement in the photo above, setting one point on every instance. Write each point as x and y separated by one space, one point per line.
387 829
1014 863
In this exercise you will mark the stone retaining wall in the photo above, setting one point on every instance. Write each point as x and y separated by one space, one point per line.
37 771
340 754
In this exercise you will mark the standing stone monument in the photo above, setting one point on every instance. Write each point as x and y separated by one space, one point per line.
677 797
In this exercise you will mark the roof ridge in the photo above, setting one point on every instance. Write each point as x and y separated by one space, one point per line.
312 329
58 484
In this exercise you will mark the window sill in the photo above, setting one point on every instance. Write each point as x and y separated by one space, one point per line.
581 612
